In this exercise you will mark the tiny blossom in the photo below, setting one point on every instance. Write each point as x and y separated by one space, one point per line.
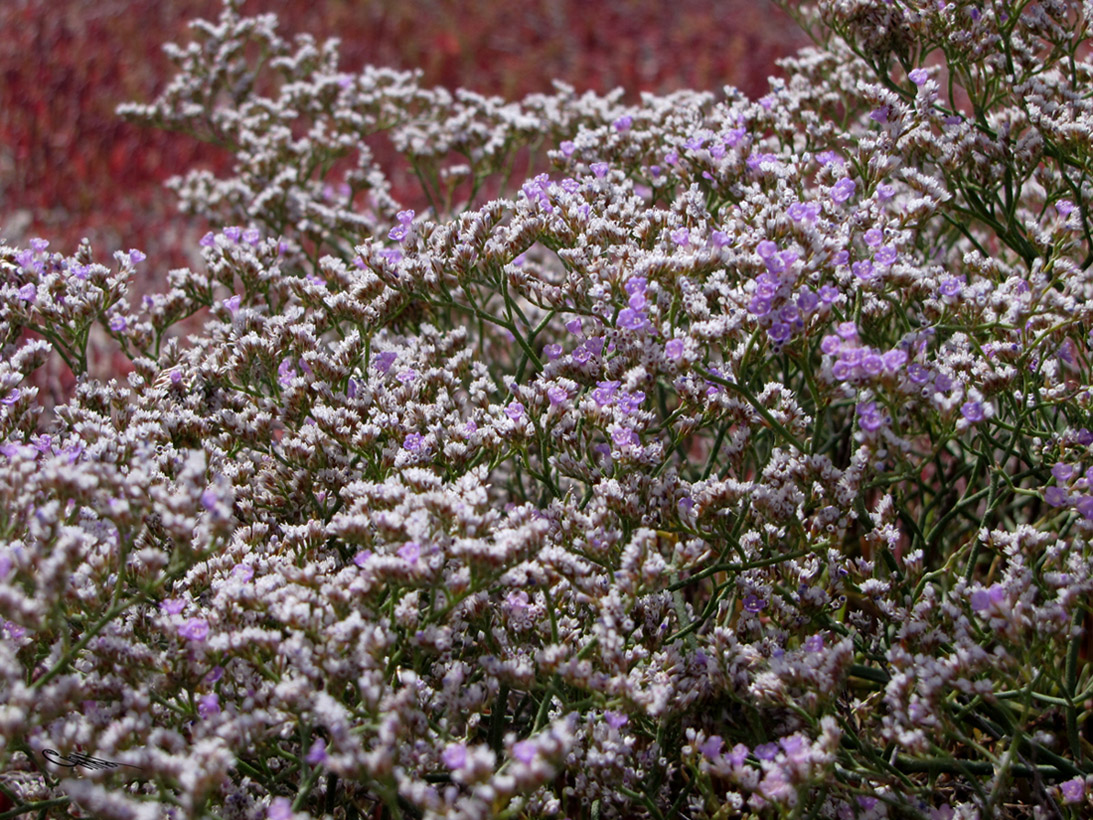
1061 471
616 720
28 292
972 411
524 751
361 558
673 348
118 323
1084 506
1073 790
624 122
1064 207
552 351
413 442
383 361
1056 497
208 705
599 169
630 319
753 603
195 629
681 236
918 76
557 394
814 643
38 244
766 751
208 240
232 303
172 606
407 375
623 436
885 255
234 233
873 237
711 748
410 552
567 147
514 410
454 756
842 190
279 809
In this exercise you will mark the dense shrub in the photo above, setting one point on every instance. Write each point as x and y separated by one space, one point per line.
739 465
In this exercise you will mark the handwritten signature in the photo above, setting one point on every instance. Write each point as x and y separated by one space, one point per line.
79 759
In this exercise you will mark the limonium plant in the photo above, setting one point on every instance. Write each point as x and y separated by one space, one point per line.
736 464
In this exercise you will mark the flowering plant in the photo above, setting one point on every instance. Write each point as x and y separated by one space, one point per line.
737 466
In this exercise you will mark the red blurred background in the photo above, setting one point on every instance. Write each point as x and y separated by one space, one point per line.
69 167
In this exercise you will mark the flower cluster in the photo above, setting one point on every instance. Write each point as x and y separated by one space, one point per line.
738 465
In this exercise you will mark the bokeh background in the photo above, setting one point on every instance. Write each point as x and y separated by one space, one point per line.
69 167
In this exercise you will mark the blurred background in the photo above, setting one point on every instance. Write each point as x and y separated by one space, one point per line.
70 168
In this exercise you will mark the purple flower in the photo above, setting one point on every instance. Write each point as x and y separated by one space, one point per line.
317 753
951 286
972 411
552 351
712 747
567 148
234 233
630 319
208 240
673 348
557 394
681 236
1073 790
524 751
195 629
243 572
754 604
383 361
232 303
1085 438
886 255
599 169
1062 471
410 552
208 705
766 249
814 643
616 720
842 190
1056 497
863 270
1064 208
407 375
279 809
28 292
118 324
172 606
413 442
286 371
766 751
919 76
454 756
136 257
514 410
874 237
624 122
361 558
39 244
779 332
894 360
917 373
622 436
1084 506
